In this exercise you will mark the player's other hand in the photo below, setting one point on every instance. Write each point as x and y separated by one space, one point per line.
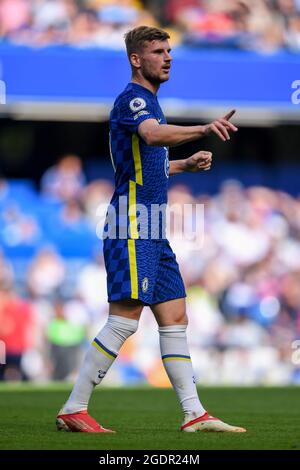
199 161
221 127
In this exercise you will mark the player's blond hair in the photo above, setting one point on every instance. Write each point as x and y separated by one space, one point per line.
136 38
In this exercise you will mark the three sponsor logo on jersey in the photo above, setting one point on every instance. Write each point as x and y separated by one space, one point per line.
167 166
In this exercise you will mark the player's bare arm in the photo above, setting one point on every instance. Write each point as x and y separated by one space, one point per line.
200 161
171 135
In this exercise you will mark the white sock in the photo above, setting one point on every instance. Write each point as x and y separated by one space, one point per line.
177 362
100 356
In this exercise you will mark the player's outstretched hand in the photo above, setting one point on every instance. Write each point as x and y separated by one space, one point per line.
199 161
221 127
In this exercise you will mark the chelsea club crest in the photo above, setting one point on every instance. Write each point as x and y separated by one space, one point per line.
145 284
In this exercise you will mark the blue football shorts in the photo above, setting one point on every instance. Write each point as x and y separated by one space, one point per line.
146 270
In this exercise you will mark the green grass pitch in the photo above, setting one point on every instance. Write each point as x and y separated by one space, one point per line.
147 418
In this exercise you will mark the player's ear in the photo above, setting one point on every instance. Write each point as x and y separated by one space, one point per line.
135 60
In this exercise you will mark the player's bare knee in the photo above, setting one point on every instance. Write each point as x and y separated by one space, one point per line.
127 308
181 320
178 319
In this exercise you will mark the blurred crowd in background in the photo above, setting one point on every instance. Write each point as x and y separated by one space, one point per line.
243 284
262 25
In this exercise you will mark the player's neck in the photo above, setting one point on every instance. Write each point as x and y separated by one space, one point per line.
146 84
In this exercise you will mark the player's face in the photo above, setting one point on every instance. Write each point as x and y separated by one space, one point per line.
155 61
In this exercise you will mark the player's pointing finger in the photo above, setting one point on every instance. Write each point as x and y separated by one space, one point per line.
229 115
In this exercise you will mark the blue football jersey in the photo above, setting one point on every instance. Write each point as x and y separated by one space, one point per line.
141 170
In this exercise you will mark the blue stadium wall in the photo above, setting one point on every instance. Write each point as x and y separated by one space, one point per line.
225 77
